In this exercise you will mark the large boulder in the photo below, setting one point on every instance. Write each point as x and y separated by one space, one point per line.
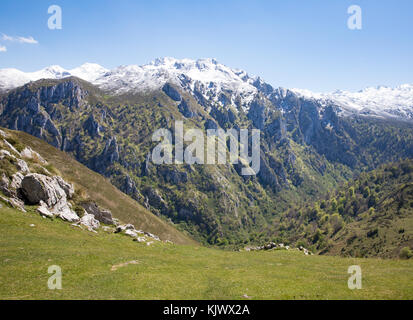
39 189
11 188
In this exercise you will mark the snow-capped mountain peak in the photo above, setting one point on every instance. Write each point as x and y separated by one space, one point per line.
13 78
208 77
52 72
379 100
89 71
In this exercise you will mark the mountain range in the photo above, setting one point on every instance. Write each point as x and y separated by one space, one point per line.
212 79
310 143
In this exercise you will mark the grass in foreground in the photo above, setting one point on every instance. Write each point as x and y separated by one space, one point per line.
109 266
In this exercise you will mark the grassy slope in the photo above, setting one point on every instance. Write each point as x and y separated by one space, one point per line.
100 190
174 272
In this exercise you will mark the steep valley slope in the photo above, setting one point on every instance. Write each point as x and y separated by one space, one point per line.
308 147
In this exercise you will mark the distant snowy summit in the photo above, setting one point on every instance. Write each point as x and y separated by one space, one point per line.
209 80
13 78
381 100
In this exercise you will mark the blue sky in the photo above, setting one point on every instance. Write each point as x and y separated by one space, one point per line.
294 43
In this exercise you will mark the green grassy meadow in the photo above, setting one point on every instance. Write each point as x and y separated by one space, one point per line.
166 271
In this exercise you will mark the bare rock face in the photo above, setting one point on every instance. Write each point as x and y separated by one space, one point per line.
171 92
67 187
63 210
44 211
22 166
100 214
16 181
155 199
37 118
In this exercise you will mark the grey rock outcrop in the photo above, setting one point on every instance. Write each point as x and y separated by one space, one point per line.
5 153
137 235
187 109
22 166
92 126
173 175
155 199
123 228
44 211
258 114
14 203
16 181
37 187
10 146
171 92
100 214
67 187
39 108
28 153
89 221
109 155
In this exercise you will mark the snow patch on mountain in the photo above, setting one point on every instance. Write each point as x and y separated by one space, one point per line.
205 76
380 101
13 78
89 72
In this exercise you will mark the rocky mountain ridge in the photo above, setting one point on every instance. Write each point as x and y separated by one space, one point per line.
211 82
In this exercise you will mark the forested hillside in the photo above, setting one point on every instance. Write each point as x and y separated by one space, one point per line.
370 216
